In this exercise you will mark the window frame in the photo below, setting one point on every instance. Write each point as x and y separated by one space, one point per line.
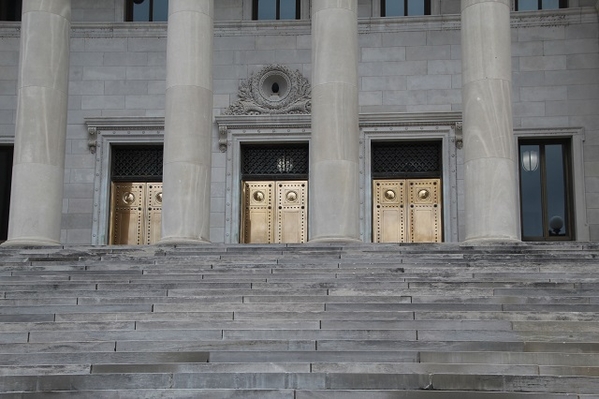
298 11
562 4
427 9
570 214
129 12
11 16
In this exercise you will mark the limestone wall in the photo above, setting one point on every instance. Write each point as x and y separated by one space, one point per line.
406 65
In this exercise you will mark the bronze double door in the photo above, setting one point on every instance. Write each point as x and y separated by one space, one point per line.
274 212
135 213
407 210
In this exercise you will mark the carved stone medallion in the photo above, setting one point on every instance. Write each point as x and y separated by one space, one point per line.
276 89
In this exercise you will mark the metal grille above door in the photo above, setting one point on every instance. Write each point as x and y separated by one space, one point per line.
134 163
406 159
262 162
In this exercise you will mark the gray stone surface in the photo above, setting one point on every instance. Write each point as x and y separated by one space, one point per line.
533 332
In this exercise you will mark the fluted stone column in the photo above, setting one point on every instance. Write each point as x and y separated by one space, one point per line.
39 152
490 160
188 124
334 155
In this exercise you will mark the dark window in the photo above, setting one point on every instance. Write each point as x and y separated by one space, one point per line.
545 190
137 163
276 162
528 5
147 10
401 8
276 9
6 155
406 159
10 10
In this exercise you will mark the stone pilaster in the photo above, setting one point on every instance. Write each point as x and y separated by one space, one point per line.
490 160
39 153
188 122
334 151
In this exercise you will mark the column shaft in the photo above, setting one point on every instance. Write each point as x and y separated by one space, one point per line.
188 122
40 136
490 161
334 150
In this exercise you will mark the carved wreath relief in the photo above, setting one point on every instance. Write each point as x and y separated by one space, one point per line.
276 89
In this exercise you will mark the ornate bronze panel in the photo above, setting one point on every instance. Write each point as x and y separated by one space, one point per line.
291 212
153 213
135 213
274 212
389 211
425 210
407 210
258 203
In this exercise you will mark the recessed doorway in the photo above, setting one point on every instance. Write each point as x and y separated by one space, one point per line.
136 195
274 193
407 192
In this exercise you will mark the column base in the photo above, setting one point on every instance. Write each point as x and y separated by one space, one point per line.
30 242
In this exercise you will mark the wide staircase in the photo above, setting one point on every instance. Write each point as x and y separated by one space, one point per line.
301 321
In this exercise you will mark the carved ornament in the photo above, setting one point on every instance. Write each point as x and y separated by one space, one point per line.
274 90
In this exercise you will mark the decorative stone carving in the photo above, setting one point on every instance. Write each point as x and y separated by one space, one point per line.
223 131
276 89
459 136
92 141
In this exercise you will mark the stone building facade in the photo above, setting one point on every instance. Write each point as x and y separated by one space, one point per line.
340 121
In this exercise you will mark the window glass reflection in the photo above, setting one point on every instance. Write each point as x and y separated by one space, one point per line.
416 7
141 11
545 190
556 184
550 4
394 8
160 12
288 10
267 9
528 5
530 188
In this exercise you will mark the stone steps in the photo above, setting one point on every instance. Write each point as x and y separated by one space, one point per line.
300 321
284 394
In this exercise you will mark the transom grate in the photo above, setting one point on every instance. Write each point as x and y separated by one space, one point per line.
137 163
281 161
395 159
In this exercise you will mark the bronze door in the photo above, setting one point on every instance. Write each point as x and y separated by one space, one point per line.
135 213
407 210
274 212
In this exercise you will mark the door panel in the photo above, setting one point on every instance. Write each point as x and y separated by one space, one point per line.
154 213
407 210
291 212
389 211
258 212
274 212
135 213
425 210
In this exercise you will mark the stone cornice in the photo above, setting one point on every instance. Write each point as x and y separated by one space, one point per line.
370 119
382 119
126 122
549 131
264 121
303 27
137 125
